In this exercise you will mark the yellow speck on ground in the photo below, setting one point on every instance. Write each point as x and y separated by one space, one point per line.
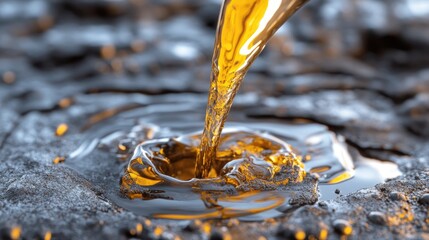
61 129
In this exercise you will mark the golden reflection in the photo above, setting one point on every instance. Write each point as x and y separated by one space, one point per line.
227 212
341 177
320 169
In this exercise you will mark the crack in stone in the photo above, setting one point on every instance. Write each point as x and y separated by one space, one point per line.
9 133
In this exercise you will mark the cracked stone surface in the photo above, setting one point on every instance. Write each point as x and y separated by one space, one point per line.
358 67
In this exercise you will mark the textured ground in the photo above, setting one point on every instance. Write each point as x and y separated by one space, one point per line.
359 67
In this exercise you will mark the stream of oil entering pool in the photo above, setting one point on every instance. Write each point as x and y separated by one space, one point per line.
243 31
239 161
258 170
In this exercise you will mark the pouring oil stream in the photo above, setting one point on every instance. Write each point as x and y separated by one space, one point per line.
244 29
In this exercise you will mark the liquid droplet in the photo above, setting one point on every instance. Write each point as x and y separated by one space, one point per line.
15 233
58 160
61 129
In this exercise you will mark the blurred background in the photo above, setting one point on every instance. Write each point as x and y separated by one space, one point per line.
56 49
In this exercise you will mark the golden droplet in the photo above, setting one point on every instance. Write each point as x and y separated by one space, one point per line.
320 169
158 231
48 235
15 233
323 234
139 228
58 160
147 222
61 129
348 230
108 51
206 228
9 77
300 235
122 147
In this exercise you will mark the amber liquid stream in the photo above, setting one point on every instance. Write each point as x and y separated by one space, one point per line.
243 31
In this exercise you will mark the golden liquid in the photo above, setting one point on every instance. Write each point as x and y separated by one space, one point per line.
244 28
247 164
243 157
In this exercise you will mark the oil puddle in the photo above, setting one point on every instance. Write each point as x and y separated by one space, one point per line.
155 143
253 172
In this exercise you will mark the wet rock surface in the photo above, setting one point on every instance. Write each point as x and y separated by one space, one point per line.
359 67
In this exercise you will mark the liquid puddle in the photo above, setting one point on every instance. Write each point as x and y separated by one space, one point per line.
160 141
247 166
246 160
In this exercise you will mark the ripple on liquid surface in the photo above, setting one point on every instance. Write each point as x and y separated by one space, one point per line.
173 193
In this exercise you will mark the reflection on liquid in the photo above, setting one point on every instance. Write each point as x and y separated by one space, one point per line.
245 159
368 172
